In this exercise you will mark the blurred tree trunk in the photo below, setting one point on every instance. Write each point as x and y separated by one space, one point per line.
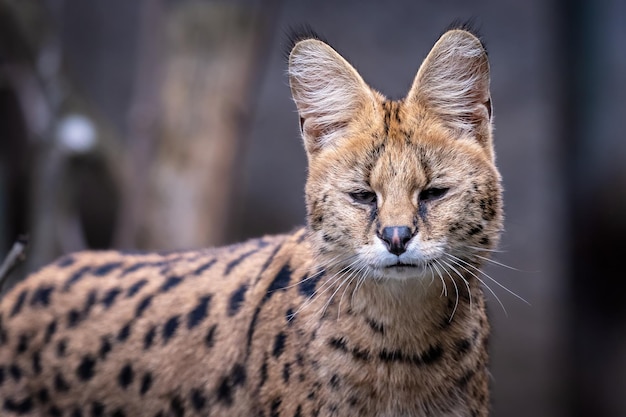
179 188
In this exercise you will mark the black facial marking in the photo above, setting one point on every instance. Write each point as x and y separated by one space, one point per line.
199 313
126 376
170 283
134 289
103 270
204 267
148 339
232 264
76 276
146 383
170 328
17 307
279 344
209 339
236 300
85 370
41 296
109 297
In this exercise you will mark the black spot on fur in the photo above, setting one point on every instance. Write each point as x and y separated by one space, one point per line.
289 316
134 289
198 400
105 269
236 300
17 307
263 372
176 404
484 241
62 347
204 267
1 375
41 296
124 332
170 328
109 297
90 301
97 409
60 384
232 264
376 326
105 347
146 383
22 344
37 363
298 411
73 317
286 372
76 276
19 407
224 392
238 375
118 413
279 344
170 283
15 372
134 268
275 407
66 261
85 370
126 375
307 285
77 413
143 305
50 330
148 339
462 346
334 381
43 395
209 339
199 313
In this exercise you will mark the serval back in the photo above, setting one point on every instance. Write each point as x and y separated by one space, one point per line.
374 308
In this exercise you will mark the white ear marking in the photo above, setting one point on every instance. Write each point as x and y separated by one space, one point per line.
327 91
454 82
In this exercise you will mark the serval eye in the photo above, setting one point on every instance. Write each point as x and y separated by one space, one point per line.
364 197
434 193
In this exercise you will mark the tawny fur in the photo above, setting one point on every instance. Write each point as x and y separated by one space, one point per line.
324 321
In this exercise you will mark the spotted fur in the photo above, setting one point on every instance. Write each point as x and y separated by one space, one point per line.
375 308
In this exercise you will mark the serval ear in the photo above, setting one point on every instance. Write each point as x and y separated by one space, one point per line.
453 83
327 90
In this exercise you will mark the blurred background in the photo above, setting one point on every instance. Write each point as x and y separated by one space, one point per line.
163 124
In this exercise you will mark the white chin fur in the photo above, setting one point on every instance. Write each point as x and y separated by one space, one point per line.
418 254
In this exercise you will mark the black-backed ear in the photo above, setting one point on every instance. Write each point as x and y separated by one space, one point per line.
327 90
453 82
